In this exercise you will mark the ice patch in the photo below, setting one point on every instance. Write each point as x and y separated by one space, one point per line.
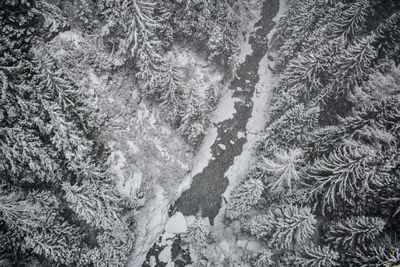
176 224
165 256
241 135
226 107
153 261
151 223
222 146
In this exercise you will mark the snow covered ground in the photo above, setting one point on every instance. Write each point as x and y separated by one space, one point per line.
197 70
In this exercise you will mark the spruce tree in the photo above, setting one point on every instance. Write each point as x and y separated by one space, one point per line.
33 227
291 129
194 117
284 170
316 257
355 232
375 256
244 197
94 204
339 174
352 20
388 36
129 25
197 233
358 59
264 258
284 226
171 89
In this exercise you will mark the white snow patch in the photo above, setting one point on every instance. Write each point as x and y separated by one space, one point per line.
72 37
153 261
254 246
232 142
201 159
196 69
142 112
222 146
165 256
226 107
126 183
150 224
241 135
176 224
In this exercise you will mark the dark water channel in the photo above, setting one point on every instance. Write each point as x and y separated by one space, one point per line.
207 187
205 192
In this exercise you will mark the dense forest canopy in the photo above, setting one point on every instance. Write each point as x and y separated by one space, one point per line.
58 203
325 187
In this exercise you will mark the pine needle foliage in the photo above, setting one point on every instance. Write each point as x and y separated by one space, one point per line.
284 170
355 231
244 197
284 226
317 257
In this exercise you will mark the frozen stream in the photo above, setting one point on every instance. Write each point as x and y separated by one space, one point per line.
228 142
207 187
